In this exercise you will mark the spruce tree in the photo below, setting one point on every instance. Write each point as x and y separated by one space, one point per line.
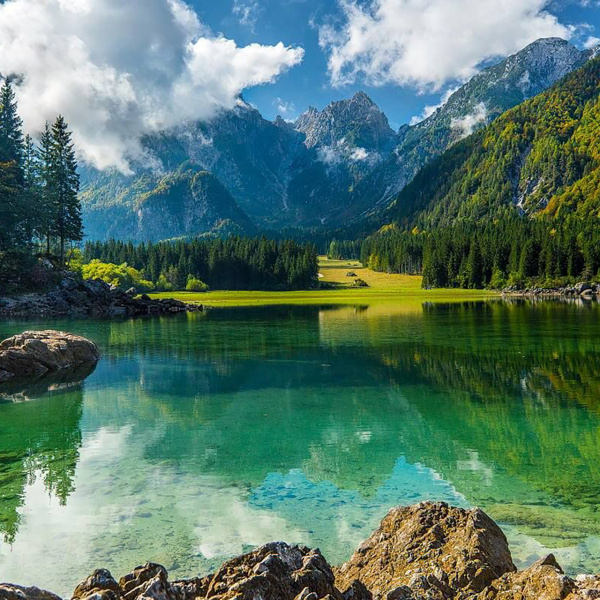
65 182
48 204
13 208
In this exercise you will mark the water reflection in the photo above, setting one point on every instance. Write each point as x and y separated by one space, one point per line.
200 436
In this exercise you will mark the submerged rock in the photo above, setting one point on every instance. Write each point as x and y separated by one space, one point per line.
432 548
425 552
34 353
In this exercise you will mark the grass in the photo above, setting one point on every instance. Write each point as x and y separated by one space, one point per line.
383 287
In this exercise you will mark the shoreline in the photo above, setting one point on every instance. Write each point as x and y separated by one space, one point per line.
88 298
428 551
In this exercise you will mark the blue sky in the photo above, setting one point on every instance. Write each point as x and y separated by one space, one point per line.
122 69
297 23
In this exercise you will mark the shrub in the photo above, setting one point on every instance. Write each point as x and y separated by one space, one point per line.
122 276
195 285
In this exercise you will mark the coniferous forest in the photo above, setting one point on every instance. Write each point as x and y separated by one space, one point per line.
40 213
509 252
234 263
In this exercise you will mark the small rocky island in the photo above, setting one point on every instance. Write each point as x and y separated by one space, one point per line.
429 551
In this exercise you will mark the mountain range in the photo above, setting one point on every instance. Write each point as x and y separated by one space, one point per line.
241 172
541 157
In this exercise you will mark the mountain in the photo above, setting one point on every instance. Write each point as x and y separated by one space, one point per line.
541 157
186 202
273 174
475 104
356 124
329 168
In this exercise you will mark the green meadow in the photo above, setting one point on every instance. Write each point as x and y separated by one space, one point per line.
382 287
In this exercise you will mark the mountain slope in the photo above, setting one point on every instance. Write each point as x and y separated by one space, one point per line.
478 102
329 168
184 203
542 157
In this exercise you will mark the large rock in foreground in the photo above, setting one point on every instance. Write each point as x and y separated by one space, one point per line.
430 547
273 572
426 552
34 353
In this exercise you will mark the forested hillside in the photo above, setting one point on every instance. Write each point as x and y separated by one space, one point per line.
517 203
540 158
470 108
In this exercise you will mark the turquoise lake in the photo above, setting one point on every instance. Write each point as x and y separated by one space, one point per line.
198 437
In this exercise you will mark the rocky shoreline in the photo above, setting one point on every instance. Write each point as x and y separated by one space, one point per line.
92 297
429 551
580 290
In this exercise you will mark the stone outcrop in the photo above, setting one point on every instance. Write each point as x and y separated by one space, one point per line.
92 297
32 354
426 552
9 591
431 547
582 289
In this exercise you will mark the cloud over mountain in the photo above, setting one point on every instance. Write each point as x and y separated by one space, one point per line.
426 43
119 70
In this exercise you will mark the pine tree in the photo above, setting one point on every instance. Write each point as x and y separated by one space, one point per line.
65 181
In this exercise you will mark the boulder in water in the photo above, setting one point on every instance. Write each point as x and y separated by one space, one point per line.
34 353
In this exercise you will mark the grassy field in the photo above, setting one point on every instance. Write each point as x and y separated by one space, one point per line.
383 287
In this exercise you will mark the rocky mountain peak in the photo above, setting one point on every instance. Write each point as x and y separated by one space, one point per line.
355 122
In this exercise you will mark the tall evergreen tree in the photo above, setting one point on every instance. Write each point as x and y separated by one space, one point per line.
65 182
47 205
13 208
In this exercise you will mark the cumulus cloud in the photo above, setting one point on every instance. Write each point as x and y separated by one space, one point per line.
119 70
592 42
427 43
465 126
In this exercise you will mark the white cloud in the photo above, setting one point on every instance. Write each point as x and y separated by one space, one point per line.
359 154
286 109
330 155
342 152
431 108
591 42
118 70
246 12
427 43
465 126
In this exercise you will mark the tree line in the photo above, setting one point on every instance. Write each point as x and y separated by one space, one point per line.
344 249
511 251
40 211
235 263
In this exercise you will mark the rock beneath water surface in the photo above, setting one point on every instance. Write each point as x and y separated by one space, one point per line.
34 353
426 552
